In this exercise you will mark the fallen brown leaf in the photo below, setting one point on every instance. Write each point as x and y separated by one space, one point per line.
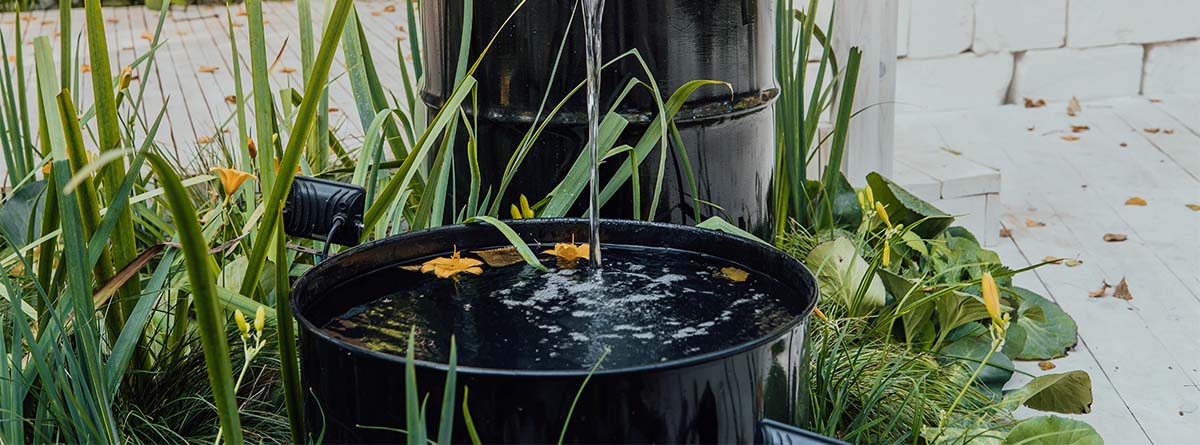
287 70
951 151
209 69
1115 237
734 274
1032 223
334 109
232 100
146 36
1154 101
389 8
203 140
1053 260
1101 291
12 59
401 28
241 13
1005 233
85 68
47 22
1070 138
1030 103
1194 207
1136 201
1154 130
1073 107
111 20
1072 262
1080 128
181 33
1122 290
502 257
412 268
1123 145
1031 129
376 13
1046 366
1168 131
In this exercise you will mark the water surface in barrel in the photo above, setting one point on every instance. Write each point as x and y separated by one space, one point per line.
646 306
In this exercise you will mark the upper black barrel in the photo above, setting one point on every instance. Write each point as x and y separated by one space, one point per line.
729 137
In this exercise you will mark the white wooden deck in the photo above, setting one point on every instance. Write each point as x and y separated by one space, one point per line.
1143 354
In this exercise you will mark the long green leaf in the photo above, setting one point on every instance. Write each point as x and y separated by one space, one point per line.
514 239
293 394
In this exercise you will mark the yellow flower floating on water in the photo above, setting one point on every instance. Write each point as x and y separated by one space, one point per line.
451 267
232 179
569 253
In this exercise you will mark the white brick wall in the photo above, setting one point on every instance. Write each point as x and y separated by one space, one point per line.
1014 25
940 27
1172 68
1089 73
962 81
1109 22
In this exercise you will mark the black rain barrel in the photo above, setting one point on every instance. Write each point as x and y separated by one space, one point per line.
718 396
729 138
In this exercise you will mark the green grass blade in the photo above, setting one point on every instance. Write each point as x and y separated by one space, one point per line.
412 409
291 156
571 411
289 371
514 239
122 350
414 40
264 122
446 420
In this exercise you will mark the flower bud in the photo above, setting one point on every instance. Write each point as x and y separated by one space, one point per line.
240 319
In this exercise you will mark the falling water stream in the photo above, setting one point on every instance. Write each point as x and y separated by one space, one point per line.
592 18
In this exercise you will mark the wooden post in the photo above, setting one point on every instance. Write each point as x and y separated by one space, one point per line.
869 25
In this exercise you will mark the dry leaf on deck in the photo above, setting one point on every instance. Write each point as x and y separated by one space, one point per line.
1115 237
1005 233
1053 260
111 20
1030 103
1073 107
376 13
1154 101
1070 138
1046 366
209 69
1194 207
1168 131
287 70
1080 128
734 274
1101 291
203 140
502 257
334 109
401 28
1153 130
232 100
1030 129
1122 290
1032 223
1136 201
147 36
181 33
1123 145
951 151
389 8
241 13
1072 262
85 68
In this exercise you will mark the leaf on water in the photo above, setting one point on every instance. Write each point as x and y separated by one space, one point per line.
453 266
734 274
1153 130
502 257
1122 290
1136 201
209 68
1194 207
1115 237
1080 128
1098 293
1032 223
1030 103
1070 138
1046 366
1073 107
1005 233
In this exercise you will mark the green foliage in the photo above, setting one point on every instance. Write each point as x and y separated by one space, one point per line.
1048 331
1053 430
1067 393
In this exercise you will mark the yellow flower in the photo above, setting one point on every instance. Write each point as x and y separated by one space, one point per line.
883 214
991 297
522 212
569 253
240 319
870 195
451 267
862 201
124 79
231 179
260 319
887 253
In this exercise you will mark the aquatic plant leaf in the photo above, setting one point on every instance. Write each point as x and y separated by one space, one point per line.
905 208
841 270
1053 430
1049 331
734 274
955 309
1066 393
915 312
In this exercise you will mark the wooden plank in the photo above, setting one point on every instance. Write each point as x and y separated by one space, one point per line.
872 28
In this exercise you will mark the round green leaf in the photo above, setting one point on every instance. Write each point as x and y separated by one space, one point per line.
1049 331
1067 393
1053 430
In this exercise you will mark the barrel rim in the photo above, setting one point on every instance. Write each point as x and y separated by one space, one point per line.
610 226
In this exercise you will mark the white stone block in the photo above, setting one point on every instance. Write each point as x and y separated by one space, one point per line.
1172 68
1109 22
903 17
1016 25
940 27
1090 73
962 81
